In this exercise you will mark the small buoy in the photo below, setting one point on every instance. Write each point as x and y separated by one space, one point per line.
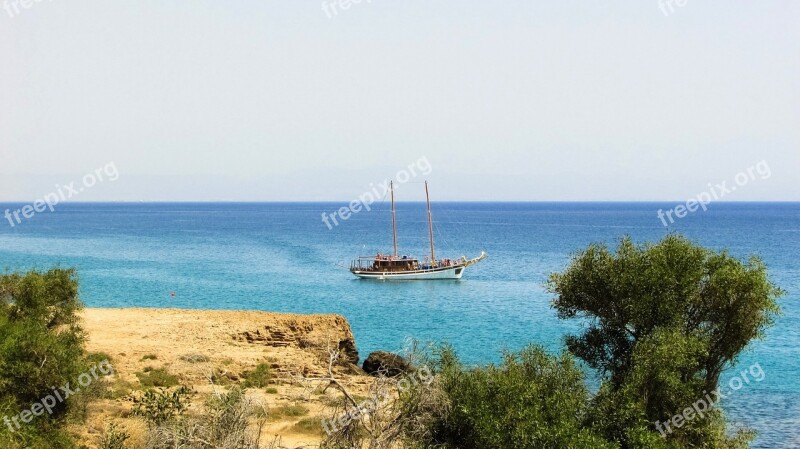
172 294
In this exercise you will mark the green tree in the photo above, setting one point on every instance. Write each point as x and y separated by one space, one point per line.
663 322
49 298
41 347
674 284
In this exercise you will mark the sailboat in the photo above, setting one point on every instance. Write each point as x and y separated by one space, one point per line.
395 267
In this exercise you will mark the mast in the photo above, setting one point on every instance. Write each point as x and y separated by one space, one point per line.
394 219
430 223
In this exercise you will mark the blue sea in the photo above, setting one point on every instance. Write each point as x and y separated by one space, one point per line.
282 257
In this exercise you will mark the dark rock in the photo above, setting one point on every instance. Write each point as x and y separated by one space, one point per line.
385 363
347 349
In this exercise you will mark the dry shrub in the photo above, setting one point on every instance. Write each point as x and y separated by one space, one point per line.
397 412
224 424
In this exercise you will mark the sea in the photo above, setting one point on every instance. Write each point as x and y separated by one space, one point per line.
283 257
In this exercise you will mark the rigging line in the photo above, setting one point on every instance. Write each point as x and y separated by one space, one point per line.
457 232
446 247
372 220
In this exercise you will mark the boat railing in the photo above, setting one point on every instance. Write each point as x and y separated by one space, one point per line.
392 258
369 263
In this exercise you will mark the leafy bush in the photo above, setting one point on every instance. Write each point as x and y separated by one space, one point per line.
158 407
532 400
310 425
289 410
96 358
156 377
113 438
258 378
220 377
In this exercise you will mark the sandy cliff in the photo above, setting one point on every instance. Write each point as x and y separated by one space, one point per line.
228 345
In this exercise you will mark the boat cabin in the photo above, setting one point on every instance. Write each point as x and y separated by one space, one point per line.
385 263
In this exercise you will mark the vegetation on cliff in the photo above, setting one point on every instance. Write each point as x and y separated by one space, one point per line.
661 324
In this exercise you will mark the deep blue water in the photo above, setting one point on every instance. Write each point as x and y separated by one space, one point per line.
282 257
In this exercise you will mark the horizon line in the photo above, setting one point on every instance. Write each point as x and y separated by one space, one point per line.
407 202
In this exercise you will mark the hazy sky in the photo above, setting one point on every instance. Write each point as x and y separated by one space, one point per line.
512 100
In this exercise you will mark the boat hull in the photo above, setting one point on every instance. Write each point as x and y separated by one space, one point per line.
454 272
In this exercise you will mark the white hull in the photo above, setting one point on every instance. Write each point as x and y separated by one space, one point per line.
420 275
451 272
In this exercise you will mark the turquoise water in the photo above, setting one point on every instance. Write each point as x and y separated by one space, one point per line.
282 257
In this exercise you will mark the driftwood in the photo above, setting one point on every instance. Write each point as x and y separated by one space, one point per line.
396 410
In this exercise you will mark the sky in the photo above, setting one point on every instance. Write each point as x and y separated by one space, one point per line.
309 100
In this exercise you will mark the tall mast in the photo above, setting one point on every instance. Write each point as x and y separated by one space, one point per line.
394 219
430 223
